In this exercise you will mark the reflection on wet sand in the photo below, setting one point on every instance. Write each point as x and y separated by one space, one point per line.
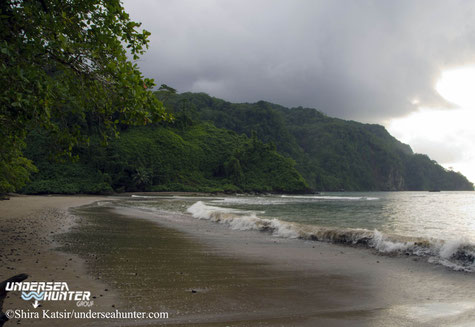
158 268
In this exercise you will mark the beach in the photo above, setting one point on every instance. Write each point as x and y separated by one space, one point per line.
237 163
205 274
28 227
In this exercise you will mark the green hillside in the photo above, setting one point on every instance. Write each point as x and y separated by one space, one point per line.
331 154
190 157
217 146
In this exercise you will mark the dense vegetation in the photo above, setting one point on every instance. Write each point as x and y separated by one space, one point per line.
256 147
331 154
64 68
192 157
68 87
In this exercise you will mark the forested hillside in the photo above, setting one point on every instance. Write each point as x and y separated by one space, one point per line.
331 154
71 88
178 156
216 146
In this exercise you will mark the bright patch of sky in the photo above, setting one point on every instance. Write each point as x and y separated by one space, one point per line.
445 134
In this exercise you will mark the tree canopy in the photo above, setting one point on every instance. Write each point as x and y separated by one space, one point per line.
64 68
331 154
171 156
282 147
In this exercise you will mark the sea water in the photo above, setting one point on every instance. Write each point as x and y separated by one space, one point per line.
439 226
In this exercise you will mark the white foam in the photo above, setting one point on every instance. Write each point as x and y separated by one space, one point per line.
382 244
243 223
285 199
242 220
145 196
203 211
284 229
456 255
449 248
330 197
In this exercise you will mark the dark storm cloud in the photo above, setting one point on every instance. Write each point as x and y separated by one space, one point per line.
364 60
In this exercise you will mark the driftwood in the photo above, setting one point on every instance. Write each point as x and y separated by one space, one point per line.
3 294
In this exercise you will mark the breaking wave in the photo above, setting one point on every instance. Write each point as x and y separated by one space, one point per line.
286 199
145 196
330 197
457 255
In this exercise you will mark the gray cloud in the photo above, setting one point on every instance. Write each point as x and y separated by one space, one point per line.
363 60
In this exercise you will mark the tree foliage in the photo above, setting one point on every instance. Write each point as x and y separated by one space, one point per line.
256 165
187 154
199 157
64 69
331 154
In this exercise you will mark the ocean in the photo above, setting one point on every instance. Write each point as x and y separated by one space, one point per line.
436 226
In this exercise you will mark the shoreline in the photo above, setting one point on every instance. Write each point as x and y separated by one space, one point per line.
201 285
30 226
154 260
303 283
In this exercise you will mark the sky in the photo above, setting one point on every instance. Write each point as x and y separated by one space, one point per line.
403 64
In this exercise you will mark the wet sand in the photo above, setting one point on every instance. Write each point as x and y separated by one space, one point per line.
28 227
205 274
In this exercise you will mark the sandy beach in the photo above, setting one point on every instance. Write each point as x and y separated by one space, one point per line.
290 282
204 274
29 225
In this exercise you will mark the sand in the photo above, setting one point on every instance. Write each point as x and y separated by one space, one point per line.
204 274
23 205
290 282
28 225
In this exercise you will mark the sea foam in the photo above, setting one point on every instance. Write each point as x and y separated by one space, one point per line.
455 254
